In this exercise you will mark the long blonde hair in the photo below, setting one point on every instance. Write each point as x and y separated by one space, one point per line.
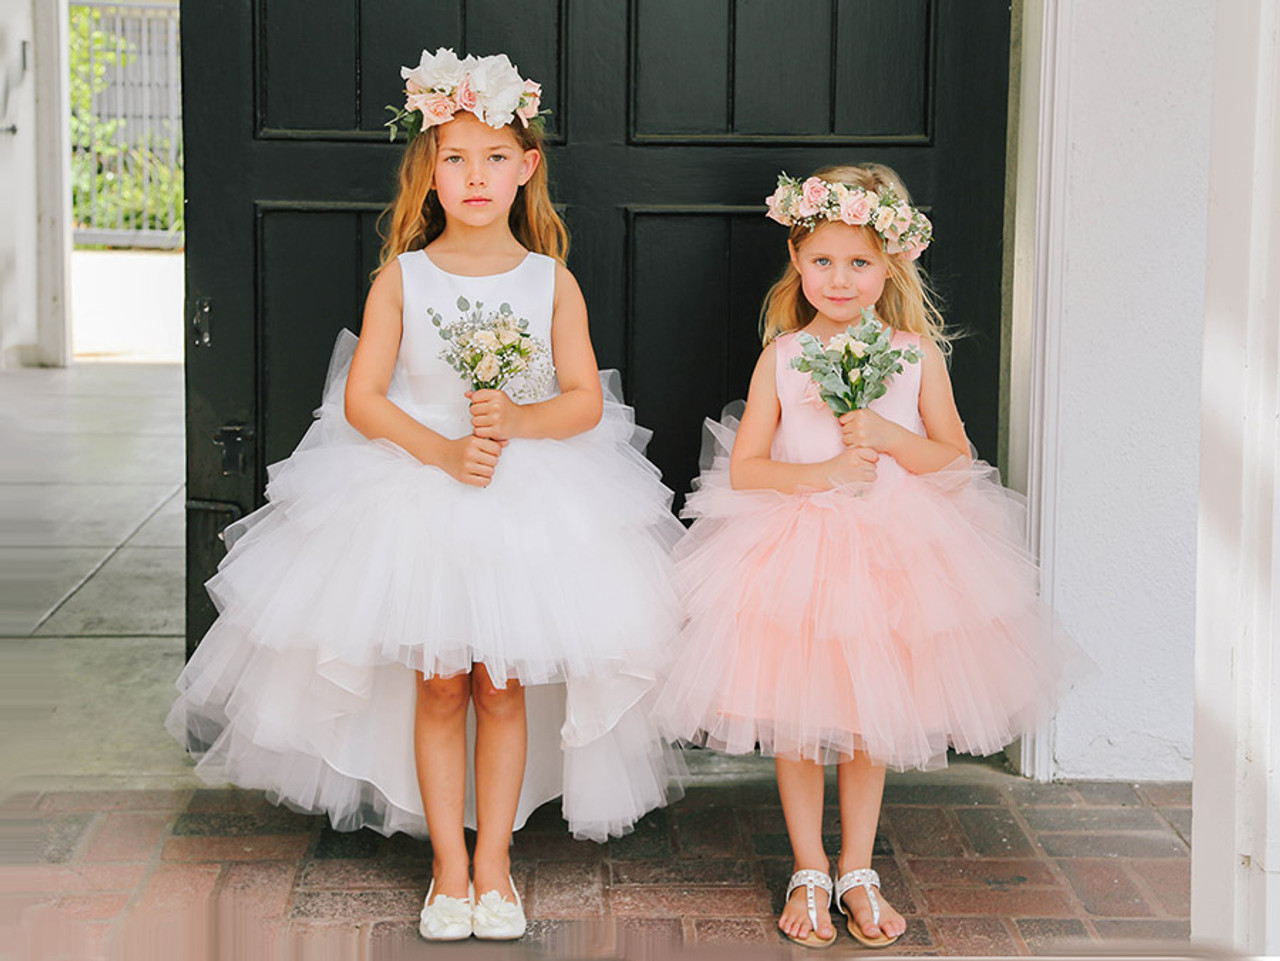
415 218
908 303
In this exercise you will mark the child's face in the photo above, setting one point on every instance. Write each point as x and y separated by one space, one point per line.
841 271
479 169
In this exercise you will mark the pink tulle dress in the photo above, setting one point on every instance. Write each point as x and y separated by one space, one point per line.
897 619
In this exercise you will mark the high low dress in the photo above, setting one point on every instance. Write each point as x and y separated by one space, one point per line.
367 566
899 618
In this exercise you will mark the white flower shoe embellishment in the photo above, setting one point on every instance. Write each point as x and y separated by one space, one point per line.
497 919
492 917
446 918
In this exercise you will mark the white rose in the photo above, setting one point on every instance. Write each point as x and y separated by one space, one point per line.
498 89
488 368
441 70
839 342
857 348
508 336
486 339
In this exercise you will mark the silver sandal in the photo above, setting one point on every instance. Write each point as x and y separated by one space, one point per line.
870 880
810 879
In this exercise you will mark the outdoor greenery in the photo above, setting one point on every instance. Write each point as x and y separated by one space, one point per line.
117 180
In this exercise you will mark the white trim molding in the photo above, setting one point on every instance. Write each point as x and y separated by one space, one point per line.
50 23
1235 850
1039 279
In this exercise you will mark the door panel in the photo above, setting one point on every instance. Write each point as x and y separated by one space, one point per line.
670 123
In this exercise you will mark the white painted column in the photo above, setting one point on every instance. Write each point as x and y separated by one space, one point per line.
1235 878
50 21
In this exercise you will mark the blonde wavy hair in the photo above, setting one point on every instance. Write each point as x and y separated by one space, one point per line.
908 303
415 218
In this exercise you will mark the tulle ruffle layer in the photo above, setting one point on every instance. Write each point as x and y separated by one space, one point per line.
366 566
898 620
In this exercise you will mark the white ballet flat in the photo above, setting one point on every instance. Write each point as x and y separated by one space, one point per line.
869 879
809 880
446 918
497 919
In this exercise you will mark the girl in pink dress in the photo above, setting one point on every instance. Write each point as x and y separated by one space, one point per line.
857 590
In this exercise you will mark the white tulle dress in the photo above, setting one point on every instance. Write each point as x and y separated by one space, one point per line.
367 566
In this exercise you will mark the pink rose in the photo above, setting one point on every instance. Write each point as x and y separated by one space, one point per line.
436 108
529 102
412 86
465 95
855 208
884 220
815 192
914 250
777 208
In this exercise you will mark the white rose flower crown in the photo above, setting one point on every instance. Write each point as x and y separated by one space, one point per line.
903 228
441 85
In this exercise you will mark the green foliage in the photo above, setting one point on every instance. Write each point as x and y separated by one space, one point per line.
116 180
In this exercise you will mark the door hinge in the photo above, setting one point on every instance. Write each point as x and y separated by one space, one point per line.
200 322
234 440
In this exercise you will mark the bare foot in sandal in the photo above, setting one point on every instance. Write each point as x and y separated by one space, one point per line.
795 922
856 903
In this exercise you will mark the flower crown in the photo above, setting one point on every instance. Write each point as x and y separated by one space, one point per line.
903 228
441 85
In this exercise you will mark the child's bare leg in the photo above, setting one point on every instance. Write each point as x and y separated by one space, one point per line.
861 788
800 785
440 750
501 738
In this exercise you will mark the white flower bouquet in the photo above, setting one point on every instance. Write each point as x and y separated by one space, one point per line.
855 366
495 351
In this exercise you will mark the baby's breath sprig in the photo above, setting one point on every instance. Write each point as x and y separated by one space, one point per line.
495 351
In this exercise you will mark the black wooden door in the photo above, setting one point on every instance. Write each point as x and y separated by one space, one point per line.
671 121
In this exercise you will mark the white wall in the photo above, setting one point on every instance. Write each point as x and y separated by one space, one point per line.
17 191
1121 555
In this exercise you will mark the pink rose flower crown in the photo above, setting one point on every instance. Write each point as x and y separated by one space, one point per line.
441 85
903 228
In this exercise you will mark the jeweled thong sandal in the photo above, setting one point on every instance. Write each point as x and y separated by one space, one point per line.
809 880
869 879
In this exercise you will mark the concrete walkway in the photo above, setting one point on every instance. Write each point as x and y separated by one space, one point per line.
125 855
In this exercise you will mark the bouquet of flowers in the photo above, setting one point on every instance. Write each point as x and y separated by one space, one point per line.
855 366
492 349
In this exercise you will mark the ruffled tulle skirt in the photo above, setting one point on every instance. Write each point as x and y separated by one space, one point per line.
367 566
899 619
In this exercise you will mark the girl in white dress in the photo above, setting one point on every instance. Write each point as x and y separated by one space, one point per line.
449 611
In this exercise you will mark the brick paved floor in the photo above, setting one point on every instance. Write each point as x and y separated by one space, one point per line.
980 862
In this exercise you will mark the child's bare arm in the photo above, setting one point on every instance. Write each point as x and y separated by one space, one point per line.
752 468
469 459
578 406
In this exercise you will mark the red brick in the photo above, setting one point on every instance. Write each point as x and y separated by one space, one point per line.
568 890
924 832
60 802
642 901
260 890
74 878
975 936
1114 844
281 847
733 931
1105 888
1002 873
357 905
1169 879
91 907
361 873
180 887
1021 903
126 837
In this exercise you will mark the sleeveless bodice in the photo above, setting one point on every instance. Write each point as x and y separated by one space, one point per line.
809 432
423 382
